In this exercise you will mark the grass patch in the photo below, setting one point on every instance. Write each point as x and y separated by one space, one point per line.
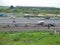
29 38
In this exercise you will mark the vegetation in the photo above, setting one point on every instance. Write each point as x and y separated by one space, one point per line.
29 38
35 10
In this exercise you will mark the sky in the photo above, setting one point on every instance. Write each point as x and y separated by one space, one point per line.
38 3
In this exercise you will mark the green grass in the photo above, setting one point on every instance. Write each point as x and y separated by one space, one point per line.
29 38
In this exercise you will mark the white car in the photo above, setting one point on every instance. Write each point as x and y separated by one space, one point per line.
12 17
40 21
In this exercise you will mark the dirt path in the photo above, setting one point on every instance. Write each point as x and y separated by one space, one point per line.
24 28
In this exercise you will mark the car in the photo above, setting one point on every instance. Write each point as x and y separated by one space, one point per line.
40 23
12 17
47 17
3 15
52 24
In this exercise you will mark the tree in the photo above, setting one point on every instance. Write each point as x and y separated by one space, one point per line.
11 6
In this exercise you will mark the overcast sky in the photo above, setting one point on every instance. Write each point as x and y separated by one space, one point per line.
43 3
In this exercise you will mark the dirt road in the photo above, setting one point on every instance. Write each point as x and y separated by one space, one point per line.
25 29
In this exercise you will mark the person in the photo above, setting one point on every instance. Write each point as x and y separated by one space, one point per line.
48 26
14 23
8 25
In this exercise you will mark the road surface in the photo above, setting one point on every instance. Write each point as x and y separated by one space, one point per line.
25 20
